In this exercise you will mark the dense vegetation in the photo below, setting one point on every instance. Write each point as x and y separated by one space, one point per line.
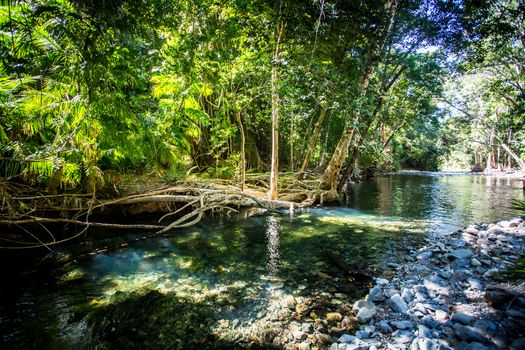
90 90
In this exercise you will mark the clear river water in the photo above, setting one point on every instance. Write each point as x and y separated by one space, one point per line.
231 282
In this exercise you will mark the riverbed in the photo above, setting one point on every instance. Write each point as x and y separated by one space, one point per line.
257 282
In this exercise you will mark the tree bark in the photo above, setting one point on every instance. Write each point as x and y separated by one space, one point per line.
243 154
313 142
325 144
253 158
519 161
329 180
275 118
292 134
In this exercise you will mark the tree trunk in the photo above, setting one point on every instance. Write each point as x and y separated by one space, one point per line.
490 153
325 144
313 142
329 180
275 118
356 152
243 154
292 134
253 157
519 161
350 167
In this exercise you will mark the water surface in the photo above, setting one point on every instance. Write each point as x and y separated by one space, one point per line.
226 280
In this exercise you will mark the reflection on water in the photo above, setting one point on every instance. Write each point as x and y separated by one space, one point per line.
445 202
272 237
216 280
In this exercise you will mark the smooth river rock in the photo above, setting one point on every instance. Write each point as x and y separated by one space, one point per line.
365 314
462 318
461 253
398 304
376 294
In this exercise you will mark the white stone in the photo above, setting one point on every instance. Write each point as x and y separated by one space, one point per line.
398 304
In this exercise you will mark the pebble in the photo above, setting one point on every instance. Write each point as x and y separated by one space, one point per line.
403 324
424 343
424 331
461 253
384 326
402 337
419 307
462 318
346 338
362 334
381 281
334 317
299 335
441 316
365 314
436 298
376 294
398 304
471 230
475 262
407 295
424 256
475 284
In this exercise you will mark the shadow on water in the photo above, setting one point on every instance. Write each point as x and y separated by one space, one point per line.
236 284
213 286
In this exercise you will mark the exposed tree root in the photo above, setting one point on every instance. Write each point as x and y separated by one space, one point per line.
188 201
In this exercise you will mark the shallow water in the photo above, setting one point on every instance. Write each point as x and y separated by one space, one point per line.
444 202
220 283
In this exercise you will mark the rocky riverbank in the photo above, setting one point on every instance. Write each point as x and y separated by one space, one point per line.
448 296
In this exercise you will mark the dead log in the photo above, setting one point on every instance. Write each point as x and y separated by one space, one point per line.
39 220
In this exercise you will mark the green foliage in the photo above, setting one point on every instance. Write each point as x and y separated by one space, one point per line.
88 88
75 94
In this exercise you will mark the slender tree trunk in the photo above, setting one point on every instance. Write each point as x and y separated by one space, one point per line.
325 144
243 153
275 118
519 161
329 181
292 135
313 142
490 156
275 137
253 158
498 160
350 167
509 163
385 145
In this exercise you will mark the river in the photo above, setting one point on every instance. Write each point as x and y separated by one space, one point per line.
231 282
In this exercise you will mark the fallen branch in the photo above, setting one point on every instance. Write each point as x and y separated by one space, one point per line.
33 220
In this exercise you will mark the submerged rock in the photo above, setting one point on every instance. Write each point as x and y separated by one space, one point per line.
334 317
